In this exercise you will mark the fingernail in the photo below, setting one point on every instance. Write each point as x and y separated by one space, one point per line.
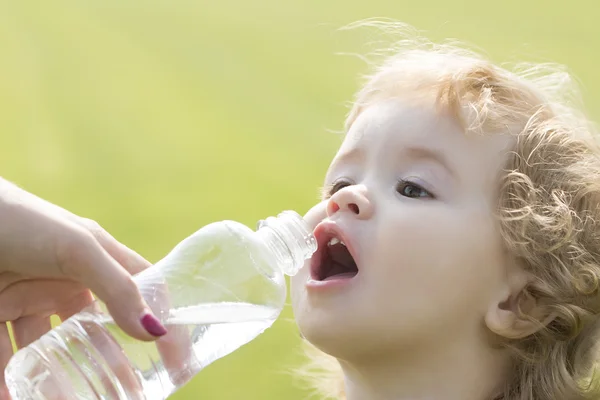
153 325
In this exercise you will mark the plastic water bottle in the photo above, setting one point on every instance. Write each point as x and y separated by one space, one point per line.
215 291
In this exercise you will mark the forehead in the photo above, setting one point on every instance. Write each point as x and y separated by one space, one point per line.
399 121
398 129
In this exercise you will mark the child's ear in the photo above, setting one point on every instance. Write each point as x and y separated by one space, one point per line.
504 316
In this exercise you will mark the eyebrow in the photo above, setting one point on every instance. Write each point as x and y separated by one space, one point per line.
431 154
355 154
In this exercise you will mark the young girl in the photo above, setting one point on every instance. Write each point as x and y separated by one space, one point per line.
459 237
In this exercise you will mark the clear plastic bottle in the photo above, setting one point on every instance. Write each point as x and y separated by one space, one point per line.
215 291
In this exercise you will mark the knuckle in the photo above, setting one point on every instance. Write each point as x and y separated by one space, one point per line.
73 250
92 226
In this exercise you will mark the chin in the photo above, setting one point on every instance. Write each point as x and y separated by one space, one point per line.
338 334
329 340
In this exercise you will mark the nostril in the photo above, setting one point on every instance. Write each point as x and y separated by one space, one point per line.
354 208
333 207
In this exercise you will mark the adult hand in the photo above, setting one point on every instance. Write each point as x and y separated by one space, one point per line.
50 263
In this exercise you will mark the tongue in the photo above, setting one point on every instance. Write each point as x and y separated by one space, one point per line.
339 269
340 255
341 263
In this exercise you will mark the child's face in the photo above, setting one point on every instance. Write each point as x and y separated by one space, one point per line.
413 198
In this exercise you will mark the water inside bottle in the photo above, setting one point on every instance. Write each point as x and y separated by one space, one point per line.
95 359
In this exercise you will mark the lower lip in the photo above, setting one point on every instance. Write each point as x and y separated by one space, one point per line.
337 281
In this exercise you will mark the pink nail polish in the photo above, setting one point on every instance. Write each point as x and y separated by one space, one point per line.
153 325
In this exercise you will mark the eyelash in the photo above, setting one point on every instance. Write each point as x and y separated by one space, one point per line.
329 190
402 184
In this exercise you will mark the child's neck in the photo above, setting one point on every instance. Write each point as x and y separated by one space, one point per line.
455 372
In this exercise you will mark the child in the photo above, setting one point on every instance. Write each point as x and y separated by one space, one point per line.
459 237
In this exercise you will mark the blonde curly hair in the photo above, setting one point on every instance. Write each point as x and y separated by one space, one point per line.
548 208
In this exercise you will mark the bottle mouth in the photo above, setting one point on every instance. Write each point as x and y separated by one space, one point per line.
302 243
300 229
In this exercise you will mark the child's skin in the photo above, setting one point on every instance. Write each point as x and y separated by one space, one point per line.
413 198
467 200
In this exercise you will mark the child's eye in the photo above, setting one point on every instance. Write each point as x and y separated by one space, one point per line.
330 189
411 189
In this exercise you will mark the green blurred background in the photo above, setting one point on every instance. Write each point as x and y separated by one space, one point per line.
157 117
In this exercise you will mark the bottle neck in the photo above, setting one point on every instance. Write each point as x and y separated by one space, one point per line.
290 240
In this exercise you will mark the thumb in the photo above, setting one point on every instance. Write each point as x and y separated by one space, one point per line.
86 261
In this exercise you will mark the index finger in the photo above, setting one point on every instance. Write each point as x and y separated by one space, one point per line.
83 259
175 348
128 258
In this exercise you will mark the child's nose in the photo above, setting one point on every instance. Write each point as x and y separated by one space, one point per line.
352 199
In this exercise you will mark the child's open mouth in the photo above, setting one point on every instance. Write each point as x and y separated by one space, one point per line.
333 259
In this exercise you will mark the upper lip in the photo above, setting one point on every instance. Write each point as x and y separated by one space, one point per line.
324 232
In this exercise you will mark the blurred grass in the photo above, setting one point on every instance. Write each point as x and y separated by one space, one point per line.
157 117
